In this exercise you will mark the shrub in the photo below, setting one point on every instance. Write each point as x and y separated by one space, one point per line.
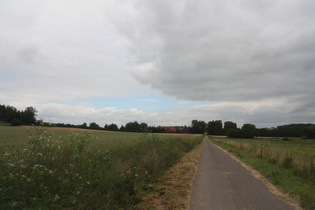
240 133
286 139
16 122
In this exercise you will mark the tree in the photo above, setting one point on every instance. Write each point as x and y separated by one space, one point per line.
93 125
229 125
28 116
132 127
249 130
11 113
292 130
215 127
144 127
113 127
198 126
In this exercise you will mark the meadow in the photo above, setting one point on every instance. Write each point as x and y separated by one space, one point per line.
54 169
288 163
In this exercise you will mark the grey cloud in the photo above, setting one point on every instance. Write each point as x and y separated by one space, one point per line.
59 51
240 55
224 52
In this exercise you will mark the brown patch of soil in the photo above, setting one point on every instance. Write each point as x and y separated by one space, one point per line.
173 189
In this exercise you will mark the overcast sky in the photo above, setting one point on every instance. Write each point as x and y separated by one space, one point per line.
160 62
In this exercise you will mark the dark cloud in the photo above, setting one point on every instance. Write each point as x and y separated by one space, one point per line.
220 51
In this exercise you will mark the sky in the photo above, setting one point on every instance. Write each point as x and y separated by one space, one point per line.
159 62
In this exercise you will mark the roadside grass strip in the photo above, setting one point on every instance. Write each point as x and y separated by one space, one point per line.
289 166
172 190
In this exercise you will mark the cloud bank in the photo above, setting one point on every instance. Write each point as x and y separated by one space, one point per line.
250 61
223 51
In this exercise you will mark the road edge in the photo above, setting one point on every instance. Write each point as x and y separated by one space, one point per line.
174 188
272 188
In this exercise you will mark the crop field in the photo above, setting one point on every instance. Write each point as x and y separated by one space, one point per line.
289 163
54 169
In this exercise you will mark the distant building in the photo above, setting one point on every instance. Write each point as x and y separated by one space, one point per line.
173 129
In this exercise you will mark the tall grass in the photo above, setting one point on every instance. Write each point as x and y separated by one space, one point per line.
294 156
78 172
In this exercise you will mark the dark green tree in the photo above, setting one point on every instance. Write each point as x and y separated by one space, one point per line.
132 127
229 125
144 127
11 113
28 116
249 130
215 127
113 127
198 126
94 125
84 125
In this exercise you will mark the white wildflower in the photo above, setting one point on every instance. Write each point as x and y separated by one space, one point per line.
57 197
11 165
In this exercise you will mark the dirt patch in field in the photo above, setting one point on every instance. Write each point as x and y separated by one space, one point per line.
278 192
173 189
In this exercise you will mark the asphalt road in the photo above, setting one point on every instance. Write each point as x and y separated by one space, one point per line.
223 183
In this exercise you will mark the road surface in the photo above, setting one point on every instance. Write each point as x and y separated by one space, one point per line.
223 183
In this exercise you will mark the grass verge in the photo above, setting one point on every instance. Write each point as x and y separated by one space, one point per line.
299 189
172 191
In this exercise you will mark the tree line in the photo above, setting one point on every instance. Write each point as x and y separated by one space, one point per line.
214 127
16 117
248 130
128 127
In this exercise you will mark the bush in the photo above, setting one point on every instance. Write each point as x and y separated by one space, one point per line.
286 139
16 122
243 133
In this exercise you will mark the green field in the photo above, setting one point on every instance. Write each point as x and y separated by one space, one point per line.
288 163
54 169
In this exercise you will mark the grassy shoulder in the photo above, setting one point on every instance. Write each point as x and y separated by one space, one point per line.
293 188
172 191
